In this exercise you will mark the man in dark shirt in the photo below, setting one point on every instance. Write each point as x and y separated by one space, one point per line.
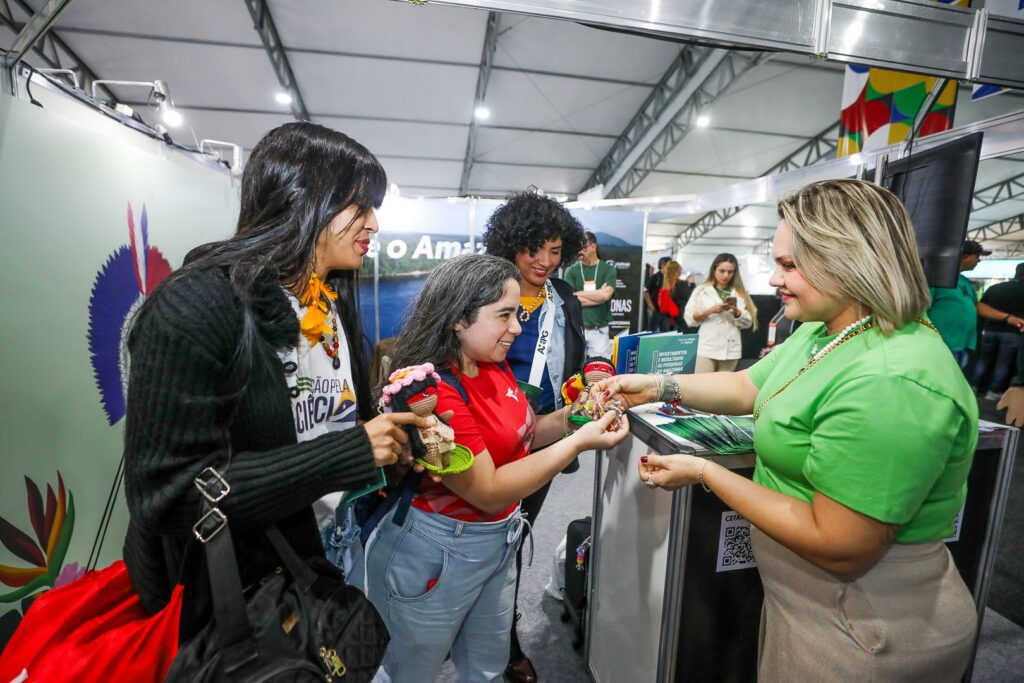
1003 307
651 288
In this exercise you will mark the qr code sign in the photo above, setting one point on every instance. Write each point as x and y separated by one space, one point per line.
734 550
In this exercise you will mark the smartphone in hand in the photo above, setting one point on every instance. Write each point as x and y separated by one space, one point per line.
731 300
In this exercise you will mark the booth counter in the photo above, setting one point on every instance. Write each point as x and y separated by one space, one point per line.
674 593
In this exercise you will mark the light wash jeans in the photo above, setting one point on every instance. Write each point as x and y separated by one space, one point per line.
442 586
339 544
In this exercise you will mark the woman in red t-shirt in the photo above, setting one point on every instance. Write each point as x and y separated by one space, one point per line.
444 581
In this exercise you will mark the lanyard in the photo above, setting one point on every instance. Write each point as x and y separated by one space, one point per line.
543 337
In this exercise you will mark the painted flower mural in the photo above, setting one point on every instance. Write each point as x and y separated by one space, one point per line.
52 523
122 284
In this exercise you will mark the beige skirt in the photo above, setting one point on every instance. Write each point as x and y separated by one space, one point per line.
908 618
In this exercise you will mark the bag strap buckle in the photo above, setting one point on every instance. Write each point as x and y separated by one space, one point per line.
209 525
213 486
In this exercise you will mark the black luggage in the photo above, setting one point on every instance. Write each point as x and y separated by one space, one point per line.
577 565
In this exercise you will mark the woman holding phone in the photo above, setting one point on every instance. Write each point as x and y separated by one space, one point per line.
720 308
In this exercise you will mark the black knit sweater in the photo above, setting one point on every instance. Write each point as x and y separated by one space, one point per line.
178 423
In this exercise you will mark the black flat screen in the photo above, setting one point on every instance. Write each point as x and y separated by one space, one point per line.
937 185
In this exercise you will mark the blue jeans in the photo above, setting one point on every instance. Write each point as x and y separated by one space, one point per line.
339 544
997 353
962 357
442 586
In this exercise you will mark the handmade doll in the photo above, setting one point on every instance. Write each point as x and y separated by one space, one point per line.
596 369
415 389
576 390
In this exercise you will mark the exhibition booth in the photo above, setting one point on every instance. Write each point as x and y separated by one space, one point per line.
673 574
98 209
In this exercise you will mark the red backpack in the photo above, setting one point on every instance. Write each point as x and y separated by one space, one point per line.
666 304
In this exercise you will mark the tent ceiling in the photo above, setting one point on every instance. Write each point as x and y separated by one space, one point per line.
402 80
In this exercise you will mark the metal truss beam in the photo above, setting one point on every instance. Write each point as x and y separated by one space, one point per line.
52 50
996 230
267 30
1006 190
1011 188
1016 248
50 47
821 146
33 30
482 79
697 77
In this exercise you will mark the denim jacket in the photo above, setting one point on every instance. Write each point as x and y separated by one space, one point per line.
567 335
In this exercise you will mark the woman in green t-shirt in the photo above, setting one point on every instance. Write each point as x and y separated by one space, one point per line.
865 432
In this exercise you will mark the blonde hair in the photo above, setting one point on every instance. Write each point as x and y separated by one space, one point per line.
672 272
853 240
736 283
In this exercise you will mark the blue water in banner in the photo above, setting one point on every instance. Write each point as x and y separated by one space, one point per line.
395 293
417 235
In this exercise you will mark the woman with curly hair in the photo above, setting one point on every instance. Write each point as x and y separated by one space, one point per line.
534 232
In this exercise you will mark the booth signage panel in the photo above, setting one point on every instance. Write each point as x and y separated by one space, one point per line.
417 235
94 216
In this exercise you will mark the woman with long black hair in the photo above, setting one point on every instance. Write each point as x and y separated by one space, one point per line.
250 359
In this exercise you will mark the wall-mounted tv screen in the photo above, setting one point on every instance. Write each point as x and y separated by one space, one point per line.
937 185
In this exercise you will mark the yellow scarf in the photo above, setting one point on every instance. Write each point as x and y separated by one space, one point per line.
314 324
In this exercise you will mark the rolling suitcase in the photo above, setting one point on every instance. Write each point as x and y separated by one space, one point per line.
577 564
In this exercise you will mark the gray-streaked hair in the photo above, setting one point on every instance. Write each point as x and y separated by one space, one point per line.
454 292
854 240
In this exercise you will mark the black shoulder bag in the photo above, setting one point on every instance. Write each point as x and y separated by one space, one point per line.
303 622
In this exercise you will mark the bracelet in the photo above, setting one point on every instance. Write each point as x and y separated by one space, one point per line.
700 477
1007 318
565 423
668 389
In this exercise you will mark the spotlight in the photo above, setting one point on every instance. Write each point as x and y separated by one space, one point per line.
168 113
171 117
283 98
482 113
703 121
159 97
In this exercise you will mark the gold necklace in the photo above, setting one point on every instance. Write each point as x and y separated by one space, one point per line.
815 359
811 363
525 311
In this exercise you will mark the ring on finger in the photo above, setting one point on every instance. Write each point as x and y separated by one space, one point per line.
648 483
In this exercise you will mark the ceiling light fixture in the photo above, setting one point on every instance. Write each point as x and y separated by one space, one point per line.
283 97
159 97
703 121
482 113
